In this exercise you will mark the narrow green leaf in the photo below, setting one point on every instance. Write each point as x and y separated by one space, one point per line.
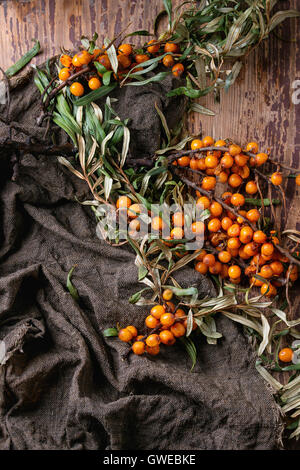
110 332
191 350
11 71
156 78
73 291
106 77
94 95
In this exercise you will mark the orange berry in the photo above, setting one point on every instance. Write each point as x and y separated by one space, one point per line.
237 199
196 144
266 271
167 319
76 89
104 60
285 355
133 330
201 164
76 61
94 83
253 215
157 311
242 253
177 70
241 159
216 268
208 183
227 160
153 340
134 211
267 249
268 290
198 227
178 219
153 351
251 187
234 272
183 161
216 209
194 164
241 218
140 58
123 201
260 158
297 180
171 47
138 348
96 53
64 74
168 61
244 172
177 233
234 230
204 201
194 324
210 171
220 143
234 150
226 222
201 268
170 307
157 223
84 57
166 337
226 197
294 273
208 141
222 177
211 161
259 236
233 243
151 321
214 225
125 335
276 178
252 147
167 294
178 329
224 256
134 227
234 180
277 267
152 49
246 234
250 249
179 313
66 60
256 282
125 49
201 255
209 260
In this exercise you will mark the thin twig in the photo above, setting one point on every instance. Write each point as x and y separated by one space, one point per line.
6 79
285 252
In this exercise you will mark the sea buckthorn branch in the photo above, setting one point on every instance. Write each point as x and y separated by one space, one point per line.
180 153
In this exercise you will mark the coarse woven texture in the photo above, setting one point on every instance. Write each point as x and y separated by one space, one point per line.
63 385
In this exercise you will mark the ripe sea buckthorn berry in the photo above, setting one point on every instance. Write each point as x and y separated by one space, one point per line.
204 201
209 260
134 211
168 61
220 143
234 180
237 199
153 340
94 83
134 227
234 271
194 324
253 215
157 223
267 249
260 158
177 70
216 268
75 61
268 290
166 337
277 268
285 355
235 281
233 243
151 321
171 47
226 197
157 311
170 307
294 273
138 338
244 172
178 219
123 201
241 159
226 222
178 330
251 249
216 209
125 49
201 164
84 57
222 177
250 270
76 89
198 227
183 161
208 141
64 74
152 47
211 161
66 60
224 271
241 218
152 351
252 147
167 319
234 150
194 164
138 348
297 180
227 160
96 53
196 144
201 255
104 60
276 178
180 313
234 230
259 236
257 260
167 294
256 282
125 335
242 253
246 234
124 61
208 183
210 171
266 271
133 330
140 58
201 268
224 256
177 233
214 225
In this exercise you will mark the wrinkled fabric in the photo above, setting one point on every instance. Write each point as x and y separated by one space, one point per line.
65 386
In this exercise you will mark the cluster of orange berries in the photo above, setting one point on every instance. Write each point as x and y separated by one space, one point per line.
127 59
168 323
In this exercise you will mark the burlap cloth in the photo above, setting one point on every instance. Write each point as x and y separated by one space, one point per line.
63 385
